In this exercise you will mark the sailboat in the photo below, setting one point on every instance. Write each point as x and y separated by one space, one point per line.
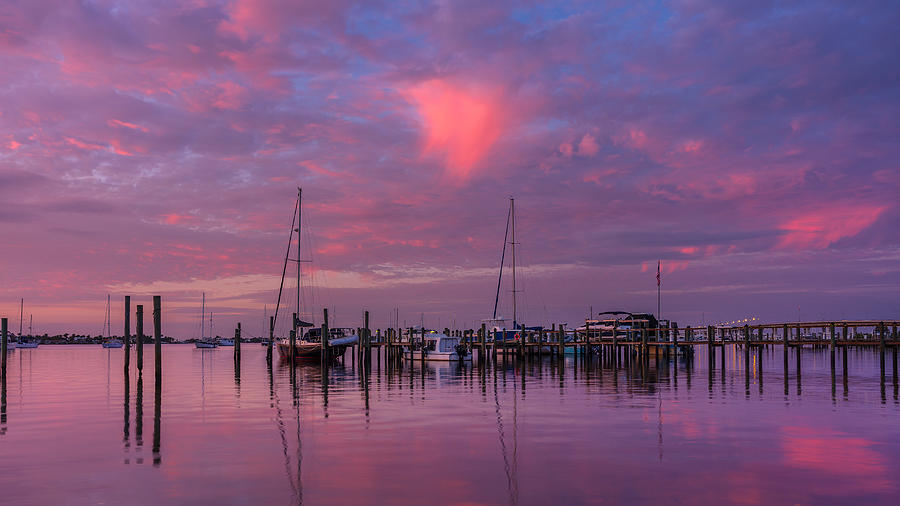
203 343
308 345
23 343
498 325
109 342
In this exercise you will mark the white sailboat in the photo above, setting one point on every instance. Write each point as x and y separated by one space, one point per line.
203 343
109 342
29 344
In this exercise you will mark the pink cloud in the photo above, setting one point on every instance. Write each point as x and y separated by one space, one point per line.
588 146
821 227
462 122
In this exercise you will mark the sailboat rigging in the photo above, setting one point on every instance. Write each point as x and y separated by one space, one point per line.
308 345
22 342
110 342
204 343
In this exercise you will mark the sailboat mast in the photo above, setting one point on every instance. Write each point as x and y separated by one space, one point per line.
202 313
21 314
512 212
30 321
107 316
299 206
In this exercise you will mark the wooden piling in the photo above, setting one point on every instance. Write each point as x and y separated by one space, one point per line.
368 335
139 328
325 344
237 344
157 335
127 335
710 337
482 335
746 350
562 342
722 349
4 338
785 334
644 349
422 355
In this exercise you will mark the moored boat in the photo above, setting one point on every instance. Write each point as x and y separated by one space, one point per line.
440 347
112 343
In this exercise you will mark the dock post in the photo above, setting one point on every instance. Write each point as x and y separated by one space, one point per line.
540 343
710 337
127 332
482 335
326 357
644 349
746 349
4 342
883 330
784 334
615 342
139 327
423 352
237 344
522 341
722 350
562 342
271 339
292 341
798 350
157 335
368 337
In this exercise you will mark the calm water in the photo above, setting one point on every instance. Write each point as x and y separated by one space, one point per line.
76 431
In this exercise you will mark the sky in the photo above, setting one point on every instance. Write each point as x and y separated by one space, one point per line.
156 147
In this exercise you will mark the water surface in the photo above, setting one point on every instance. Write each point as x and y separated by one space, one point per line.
76 430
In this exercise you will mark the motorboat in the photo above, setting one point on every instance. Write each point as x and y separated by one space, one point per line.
225 342
441 347
112 343
205 344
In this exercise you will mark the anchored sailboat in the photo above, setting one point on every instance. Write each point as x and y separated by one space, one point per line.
22 343
204 343
109 342
498 325
306 345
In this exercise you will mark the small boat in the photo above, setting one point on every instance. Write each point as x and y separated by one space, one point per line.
22 343
225 342
441 347
112 343
204 343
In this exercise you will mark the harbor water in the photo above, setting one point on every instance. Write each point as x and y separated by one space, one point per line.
76 429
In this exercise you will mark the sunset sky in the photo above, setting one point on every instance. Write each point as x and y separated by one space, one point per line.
155 147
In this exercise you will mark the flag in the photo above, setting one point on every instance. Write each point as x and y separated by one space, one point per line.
657 272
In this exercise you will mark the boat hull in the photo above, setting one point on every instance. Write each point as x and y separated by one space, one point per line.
112 344
205 346
27 345
307 351
226 342
439 356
